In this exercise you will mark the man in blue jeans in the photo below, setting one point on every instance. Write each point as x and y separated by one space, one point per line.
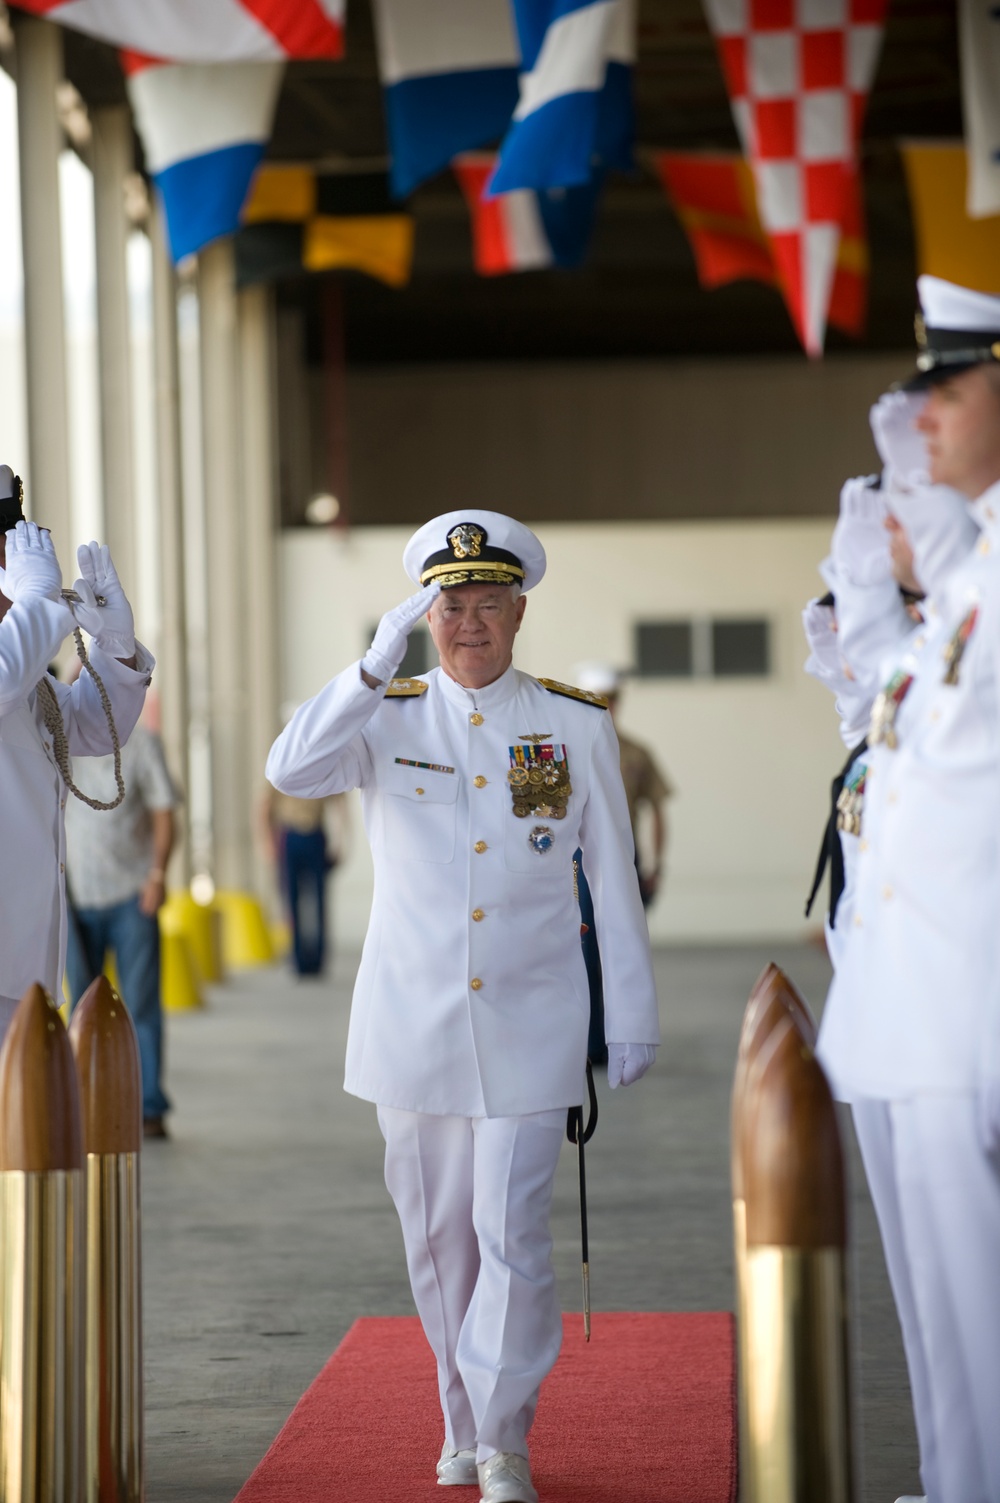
116 867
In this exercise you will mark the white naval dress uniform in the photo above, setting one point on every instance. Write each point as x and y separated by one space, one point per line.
33 848
471 1008
911 1031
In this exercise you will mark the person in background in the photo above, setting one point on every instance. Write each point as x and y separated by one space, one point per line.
116 869
305 855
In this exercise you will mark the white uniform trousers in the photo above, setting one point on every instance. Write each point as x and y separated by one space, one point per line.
473 1196
937 1198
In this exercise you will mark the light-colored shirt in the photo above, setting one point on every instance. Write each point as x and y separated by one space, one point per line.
472 995
643 780
33 844
110 851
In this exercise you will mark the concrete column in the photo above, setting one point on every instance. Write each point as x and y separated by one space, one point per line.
39 71
260 605
112 160
172 647
232 812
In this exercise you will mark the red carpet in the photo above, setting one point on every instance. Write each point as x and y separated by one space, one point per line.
644 1414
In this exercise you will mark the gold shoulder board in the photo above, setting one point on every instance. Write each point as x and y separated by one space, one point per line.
554 687
405 688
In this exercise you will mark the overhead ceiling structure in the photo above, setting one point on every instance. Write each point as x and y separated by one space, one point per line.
637 295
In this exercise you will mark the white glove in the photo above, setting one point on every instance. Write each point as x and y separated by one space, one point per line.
32 567
111 625
627 1063
824 661
389 646
860 543
901 447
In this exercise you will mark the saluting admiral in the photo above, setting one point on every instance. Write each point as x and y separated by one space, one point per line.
469 1022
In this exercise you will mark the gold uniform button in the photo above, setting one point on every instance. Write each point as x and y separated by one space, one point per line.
478 915
983 546
480 781
479 847
476 719
61 867
863 845
887 892
420 790
857 921
919 641
475 983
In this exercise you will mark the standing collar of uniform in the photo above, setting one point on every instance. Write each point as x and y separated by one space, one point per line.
986 508
497 693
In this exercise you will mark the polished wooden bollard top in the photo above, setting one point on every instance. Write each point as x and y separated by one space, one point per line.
39 1097
107 1059
42 1217
772 999
107 1054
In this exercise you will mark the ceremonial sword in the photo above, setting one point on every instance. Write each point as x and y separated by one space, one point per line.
578 1134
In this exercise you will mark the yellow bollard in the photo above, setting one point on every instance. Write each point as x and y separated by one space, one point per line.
201 925
246 940
179 983
797 1440
107 1057
42 1216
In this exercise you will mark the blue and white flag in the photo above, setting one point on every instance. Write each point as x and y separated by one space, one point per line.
979 40
449 69
574 116
204 130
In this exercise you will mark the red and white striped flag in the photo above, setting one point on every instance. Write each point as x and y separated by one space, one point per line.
798 74
206 31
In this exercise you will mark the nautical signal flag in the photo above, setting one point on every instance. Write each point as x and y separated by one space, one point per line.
798 74
297 221
204 129
715 198
574 116
206 31
449 72
950 243
524 230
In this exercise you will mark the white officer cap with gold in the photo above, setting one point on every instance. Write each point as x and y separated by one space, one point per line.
474 547
957 328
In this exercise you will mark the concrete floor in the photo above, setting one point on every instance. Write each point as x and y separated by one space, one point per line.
267 1229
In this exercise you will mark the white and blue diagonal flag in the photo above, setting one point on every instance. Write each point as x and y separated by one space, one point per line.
574 116
979 40
449 72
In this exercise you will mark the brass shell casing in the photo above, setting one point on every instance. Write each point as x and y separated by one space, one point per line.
113 1417
797 1443
42 1219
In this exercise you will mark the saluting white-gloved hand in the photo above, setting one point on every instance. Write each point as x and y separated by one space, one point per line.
32 567
627 1063
111 625
824 662
388 648
900 445
860 543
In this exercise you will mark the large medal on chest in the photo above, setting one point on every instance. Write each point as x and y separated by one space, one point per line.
539 780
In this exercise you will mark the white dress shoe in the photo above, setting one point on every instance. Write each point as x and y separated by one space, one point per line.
505 1477
457 1468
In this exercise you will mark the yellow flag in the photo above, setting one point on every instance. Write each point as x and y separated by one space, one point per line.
949 243
283 194
379 244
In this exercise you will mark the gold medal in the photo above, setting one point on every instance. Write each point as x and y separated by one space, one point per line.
517 777
535 776
521 810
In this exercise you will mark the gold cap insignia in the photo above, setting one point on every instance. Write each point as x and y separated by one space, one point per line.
466 540
920 329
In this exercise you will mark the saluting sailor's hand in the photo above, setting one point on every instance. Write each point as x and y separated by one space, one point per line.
111 625
860 544
32 567
901 447
389 646
627 1063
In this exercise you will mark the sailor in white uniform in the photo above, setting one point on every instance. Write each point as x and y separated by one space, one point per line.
471 1007
911 1032
34 621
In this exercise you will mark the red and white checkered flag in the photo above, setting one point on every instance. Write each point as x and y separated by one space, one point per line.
798 74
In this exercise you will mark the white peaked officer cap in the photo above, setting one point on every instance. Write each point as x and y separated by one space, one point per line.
599 678
474 547
957 328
